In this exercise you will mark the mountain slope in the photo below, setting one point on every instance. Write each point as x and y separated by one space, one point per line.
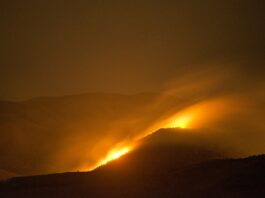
157 169
58 134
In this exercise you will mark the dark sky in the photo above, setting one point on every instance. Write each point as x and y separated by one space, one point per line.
68 47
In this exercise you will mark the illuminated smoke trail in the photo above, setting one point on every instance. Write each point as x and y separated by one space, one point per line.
194 116
212 98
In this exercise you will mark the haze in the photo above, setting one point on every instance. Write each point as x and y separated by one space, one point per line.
63 47
83 82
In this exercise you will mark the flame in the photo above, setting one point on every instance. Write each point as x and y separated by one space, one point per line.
181 122
201 114
194 116
115 154
197 115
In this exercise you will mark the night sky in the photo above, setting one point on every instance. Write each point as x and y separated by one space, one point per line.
70 47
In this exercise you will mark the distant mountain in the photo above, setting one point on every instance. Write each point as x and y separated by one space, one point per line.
58 134
168 163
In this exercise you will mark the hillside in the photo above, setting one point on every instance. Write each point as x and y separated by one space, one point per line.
58 134
156 169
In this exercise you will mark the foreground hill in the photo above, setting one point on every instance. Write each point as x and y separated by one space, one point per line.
58 134
161 167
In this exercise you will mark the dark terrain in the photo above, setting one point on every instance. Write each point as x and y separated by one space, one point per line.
57 134
164 168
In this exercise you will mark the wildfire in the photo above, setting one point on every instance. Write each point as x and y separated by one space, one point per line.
195 116
181 122
200 114
115 154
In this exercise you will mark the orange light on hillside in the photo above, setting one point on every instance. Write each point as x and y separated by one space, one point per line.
181 122
115 154
119 153
200 114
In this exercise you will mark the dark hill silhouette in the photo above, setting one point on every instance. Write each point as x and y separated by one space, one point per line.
57 134
164 165
169 149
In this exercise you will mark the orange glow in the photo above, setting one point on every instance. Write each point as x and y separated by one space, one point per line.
195 116
201 114
117 154
114 154
181 122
